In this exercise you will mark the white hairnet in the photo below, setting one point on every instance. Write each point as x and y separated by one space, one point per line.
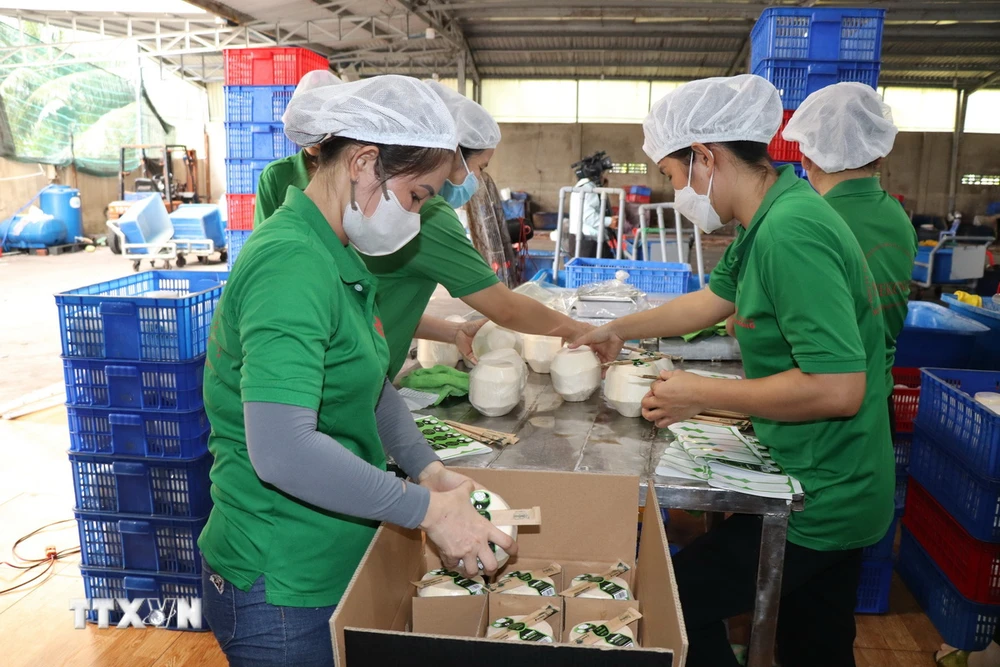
736 108
843 126
388 109
476 128
314 79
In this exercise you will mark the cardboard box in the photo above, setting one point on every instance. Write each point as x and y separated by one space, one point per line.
588 525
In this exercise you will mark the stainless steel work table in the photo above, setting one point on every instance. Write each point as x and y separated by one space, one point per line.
592 437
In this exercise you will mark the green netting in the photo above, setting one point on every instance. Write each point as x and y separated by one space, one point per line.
72 113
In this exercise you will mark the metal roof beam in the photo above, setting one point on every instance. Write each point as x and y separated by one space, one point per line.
444 23
603 28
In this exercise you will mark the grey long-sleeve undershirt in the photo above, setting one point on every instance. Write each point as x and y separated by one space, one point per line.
289 453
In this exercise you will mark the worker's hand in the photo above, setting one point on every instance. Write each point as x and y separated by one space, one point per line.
461 533
464 334
675 397
437 477
614 223
731 325
605 343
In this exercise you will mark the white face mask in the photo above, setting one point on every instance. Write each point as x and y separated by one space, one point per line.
695 207
388 229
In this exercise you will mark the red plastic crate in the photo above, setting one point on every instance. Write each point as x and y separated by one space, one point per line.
241 211
271 66
905 401
638 199
781 150
972 566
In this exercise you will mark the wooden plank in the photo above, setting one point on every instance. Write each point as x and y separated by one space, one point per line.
193 649
883 658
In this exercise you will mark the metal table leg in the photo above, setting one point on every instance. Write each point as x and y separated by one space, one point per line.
769 570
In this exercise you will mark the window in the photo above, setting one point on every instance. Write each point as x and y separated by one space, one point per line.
922 109
638 168
981 179
981 113
613 101
453 84
530 101
658 89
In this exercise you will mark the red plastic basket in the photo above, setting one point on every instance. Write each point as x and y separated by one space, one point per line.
972 566
905 400
271 66
241 210
781 150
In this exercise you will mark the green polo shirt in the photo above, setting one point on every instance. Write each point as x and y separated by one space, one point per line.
440 255
804 299
274 182
889 241
297 325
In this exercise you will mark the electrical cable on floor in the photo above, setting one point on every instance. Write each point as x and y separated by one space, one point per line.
48 561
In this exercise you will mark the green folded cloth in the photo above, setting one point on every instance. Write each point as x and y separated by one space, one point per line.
441 380
717 330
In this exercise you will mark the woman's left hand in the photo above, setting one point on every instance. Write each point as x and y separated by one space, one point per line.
437 477
673 398
463 338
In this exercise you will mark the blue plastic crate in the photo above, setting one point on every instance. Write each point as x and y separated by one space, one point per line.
650 277
972 500
932 335
949 413
142 486
99 383
257 104
242 175
258 141
538 260
902 477
640 190
236 240
193 222
796 79
135 542
963 624
986 352
514 209
157 589
873 587
882 550
154 434
149 316
800 33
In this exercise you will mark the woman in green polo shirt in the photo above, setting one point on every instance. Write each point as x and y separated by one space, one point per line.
814 357
441 254
295 385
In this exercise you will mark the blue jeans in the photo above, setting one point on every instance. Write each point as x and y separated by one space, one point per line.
253 633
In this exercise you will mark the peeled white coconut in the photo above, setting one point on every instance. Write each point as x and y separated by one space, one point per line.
658 364
457 585
621 638
624 387
576 374
492 337
496 383
614 588
539 351
538 632
533 586
486 501
989 400
508 354
432 353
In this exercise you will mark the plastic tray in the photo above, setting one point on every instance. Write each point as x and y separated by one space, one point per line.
873 587
273 66
258 141
236 241
972 566
781 150
117 320
98 383
961 622
797 79
986 352
142 486
949 413
154 434
134 542
972 500
257 104
158 589
651 277
808 33
241 212
905 400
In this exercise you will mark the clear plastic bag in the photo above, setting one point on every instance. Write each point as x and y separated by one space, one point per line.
610 299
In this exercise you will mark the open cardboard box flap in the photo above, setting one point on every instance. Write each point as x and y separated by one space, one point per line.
587 518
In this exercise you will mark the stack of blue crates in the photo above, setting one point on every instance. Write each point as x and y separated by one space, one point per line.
133 353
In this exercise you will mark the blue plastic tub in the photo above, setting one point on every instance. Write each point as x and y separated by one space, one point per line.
117 320
149 433
797 79
950 414
146 221
986 353
242 175
942 267
151 487
161 591
257 104
932 335
136 542
258 141
810 33
62 202
193 222
973 500
963 624
650 277
873 587
99 383
236 240
538 260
